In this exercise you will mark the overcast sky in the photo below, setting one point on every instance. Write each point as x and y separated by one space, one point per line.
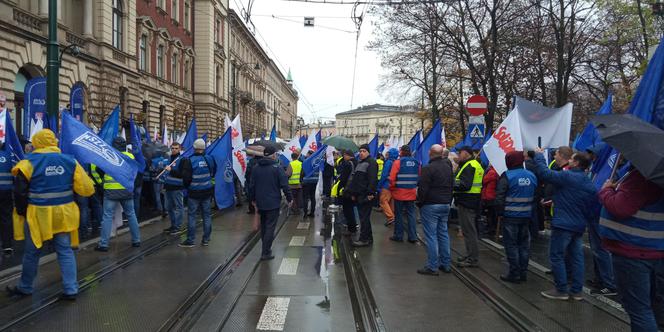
320 59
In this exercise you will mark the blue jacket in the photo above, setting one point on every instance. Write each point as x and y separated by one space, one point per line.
6 178
268 181
384 182
574 196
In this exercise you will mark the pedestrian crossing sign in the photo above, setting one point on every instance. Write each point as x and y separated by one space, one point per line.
476 131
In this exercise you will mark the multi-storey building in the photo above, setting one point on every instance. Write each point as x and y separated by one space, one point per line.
165 61
362 123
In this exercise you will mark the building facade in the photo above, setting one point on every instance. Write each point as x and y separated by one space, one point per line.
163 61
362 124
326 128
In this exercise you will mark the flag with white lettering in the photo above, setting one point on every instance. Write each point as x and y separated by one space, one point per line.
506 138
8 135
239 146
222 152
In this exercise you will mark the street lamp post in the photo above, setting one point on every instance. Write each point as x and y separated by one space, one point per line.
52 62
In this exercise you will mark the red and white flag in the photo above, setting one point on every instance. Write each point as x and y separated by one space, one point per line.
310 145
239 154
292 146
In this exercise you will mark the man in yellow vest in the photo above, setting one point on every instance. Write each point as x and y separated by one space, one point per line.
44 188
114 194
295 174
467 194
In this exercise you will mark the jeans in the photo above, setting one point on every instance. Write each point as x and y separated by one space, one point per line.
268 226
364 212
202 205
434 221
66 260
398 220
570 243
137 201
601 258
107 223
309 193
516 239
156 186
469 229
96 202
84 214
175 206
6 224
641 288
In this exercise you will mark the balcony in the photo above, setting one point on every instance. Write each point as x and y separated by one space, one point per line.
27 20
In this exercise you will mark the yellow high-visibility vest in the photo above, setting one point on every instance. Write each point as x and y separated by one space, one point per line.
296 166
380 163
477 179
110 183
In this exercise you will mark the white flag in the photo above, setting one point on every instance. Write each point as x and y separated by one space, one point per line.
239 154
122 134
551 125
156 133
505 139
291 147
329 155
310 145
442 135
35 126
164 137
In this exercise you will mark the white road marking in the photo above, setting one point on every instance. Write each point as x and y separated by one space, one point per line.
297 241
273 317
303 225
288 266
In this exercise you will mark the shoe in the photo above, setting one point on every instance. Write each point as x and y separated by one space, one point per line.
68 297
604 291
267 258
577 296
101 249
413 241
187 244
174 231
523 278
395 239
445 269
362 243
427 271
554 294
205 243
468 263
13 291
510 279
388 223
136 244
461 258
8 251
168 230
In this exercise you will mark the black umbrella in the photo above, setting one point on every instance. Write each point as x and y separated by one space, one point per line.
265 143
637 141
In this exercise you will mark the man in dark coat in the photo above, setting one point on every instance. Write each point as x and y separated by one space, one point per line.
362 190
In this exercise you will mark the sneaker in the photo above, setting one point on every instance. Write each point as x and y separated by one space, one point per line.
136 244
510 279
554 294
174 231
461 258
427 271
468 263
267 258
187 244
68 297
445 269
413 241
14 291
395 239
8 251
101 249
205 243
604 291
577 296
168 230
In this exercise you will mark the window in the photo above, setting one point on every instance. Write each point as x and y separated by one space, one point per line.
160 61
117 24
187 14
161 4
186 74
218 80
174 9
143 53
174 68
217 34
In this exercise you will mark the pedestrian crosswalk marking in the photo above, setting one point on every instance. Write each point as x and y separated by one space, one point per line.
297 241
273 317
288 266
303 225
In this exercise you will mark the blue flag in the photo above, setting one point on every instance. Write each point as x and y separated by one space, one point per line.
311 166
373 147
147 135
136 144
433 137
381 148
318 140
12 143
273 134
212 145
34 95
262 136
109 130
76 101
590 136
190 151
414 142
224 188
191 136
303 140
88 148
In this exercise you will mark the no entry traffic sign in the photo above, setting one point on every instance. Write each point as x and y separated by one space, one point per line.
477 105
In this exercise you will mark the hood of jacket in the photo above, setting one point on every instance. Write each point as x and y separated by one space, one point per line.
393 154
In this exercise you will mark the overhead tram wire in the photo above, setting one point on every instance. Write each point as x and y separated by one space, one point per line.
317 25
371 2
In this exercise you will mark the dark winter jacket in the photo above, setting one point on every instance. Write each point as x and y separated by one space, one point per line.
436 182
346 169
363 181
187 176
574 196
470 201
268 181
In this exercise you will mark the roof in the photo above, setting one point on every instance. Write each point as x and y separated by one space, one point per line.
379 108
